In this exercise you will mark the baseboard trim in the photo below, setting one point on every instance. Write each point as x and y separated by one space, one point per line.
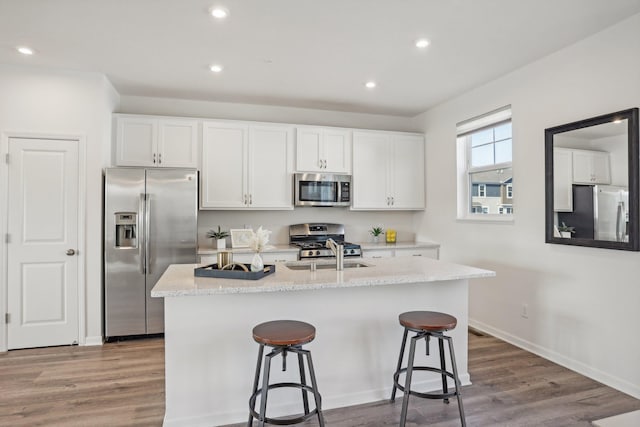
569 363
96 340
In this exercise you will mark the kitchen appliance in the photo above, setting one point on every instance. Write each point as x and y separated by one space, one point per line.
312 239
322 189
149 222
600 212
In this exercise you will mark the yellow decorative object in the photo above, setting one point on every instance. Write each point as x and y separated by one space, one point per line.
391 235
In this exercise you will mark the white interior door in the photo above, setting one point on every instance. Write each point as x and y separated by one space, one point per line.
43 240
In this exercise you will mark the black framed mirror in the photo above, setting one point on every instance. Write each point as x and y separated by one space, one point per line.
592 185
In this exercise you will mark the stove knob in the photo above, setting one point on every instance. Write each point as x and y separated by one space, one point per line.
353 251
346 251
310 253
318 253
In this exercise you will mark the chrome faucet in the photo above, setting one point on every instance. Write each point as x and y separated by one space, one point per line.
338 251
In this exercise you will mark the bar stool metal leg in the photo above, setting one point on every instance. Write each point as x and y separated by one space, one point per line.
303 381
314 385
456 378
407 384
265 389
443 366
256 381
404 343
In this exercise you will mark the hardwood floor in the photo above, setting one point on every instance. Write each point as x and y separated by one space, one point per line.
122 384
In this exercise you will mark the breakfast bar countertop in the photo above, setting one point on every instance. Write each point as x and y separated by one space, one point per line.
179 279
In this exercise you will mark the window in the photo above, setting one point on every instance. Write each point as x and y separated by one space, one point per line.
485 169
482 190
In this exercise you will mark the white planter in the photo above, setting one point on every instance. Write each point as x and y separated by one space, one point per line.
565 234
221 243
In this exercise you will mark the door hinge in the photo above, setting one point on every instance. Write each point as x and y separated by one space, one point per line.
6 158
7 318
7 238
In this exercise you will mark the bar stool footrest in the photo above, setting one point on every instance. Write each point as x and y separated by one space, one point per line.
431 395
283 421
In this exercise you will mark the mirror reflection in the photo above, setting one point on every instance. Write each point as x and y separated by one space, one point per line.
590 174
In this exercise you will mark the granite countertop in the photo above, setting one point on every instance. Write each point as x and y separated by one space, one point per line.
179 279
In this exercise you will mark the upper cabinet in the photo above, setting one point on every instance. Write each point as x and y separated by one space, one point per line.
562 180
323 149
591 167
388 171
156 142
246 166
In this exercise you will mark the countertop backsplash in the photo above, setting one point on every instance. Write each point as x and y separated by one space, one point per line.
357 224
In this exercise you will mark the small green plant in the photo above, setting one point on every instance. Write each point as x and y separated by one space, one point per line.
564 228
217 234
376 231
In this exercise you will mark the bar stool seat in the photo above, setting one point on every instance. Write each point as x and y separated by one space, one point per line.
284 336
427 324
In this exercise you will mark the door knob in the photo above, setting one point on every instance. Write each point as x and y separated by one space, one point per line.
71 252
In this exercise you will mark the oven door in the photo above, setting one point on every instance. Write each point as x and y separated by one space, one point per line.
319 190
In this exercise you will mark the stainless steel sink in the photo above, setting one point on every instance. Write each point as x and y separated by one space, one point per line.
324 266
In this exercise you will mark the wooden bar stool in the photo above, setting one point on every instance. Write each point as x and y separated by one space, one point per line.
284 336
427 324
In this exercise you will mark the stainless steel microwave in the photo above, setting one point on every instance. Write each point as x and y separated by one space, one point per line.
322 189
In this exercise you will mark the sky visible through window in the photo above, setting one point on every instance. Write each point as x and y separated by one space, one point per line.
491 146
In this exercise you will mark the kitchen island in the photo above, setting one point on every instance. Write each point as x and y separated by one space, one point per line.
210 355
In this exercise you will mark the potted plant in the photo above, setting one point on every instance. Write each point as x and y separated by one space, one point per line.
376 232
220 237
566 231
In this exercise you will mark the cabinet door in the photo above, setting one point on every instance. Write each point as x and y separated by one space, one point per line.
136 141
177 143
562 180
270 167
377 253
432 253
370 171
600 167
224 166
591 167
308 142
407 172
336 150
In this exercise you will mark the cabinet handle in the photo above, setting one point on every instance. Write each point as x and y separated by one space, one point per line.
325 163
250 199
154 158
160 158
244 199
393 200
320 163
416 255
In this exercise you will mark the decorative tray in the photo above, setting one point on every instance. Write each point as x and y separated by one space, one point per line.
212 270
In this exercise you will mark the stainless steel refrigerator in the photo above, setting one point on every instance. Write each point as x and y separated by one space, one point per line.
600 212
150 221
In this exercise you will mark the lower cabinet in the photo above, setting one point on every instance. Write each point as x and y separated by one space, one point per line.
430 252
246 257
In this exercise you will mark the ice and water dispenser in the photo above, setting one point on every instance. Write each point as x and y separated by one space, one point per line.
126 229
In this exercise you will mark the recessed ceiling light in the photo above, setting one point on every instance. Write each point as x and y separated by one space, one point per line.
370 84
422 43
219 12
216 68
25 50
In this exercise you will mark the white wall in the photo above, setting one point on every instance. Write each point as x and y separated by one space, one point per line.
583 303
36 100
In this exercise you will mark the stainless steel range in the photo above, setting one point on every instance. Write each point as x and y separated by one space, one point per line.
312 239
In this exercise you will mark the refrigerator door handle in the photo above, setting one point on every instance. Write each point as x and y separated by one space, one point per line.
619 222
147 220
141 245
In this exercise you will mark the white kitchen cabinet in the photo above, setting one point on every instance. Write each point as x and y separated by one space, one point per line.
591 167
388 171
323 150
433 253
156 142
268 257
246 166
562 180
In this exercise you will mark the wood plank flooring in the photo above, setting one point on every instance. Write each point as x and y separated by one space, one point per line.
122 384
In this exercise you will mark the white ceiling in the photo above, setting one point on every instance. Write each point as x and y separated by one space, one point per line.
300 53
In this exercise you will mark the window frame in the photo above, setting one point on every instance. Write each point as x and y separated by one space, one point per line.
464 170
